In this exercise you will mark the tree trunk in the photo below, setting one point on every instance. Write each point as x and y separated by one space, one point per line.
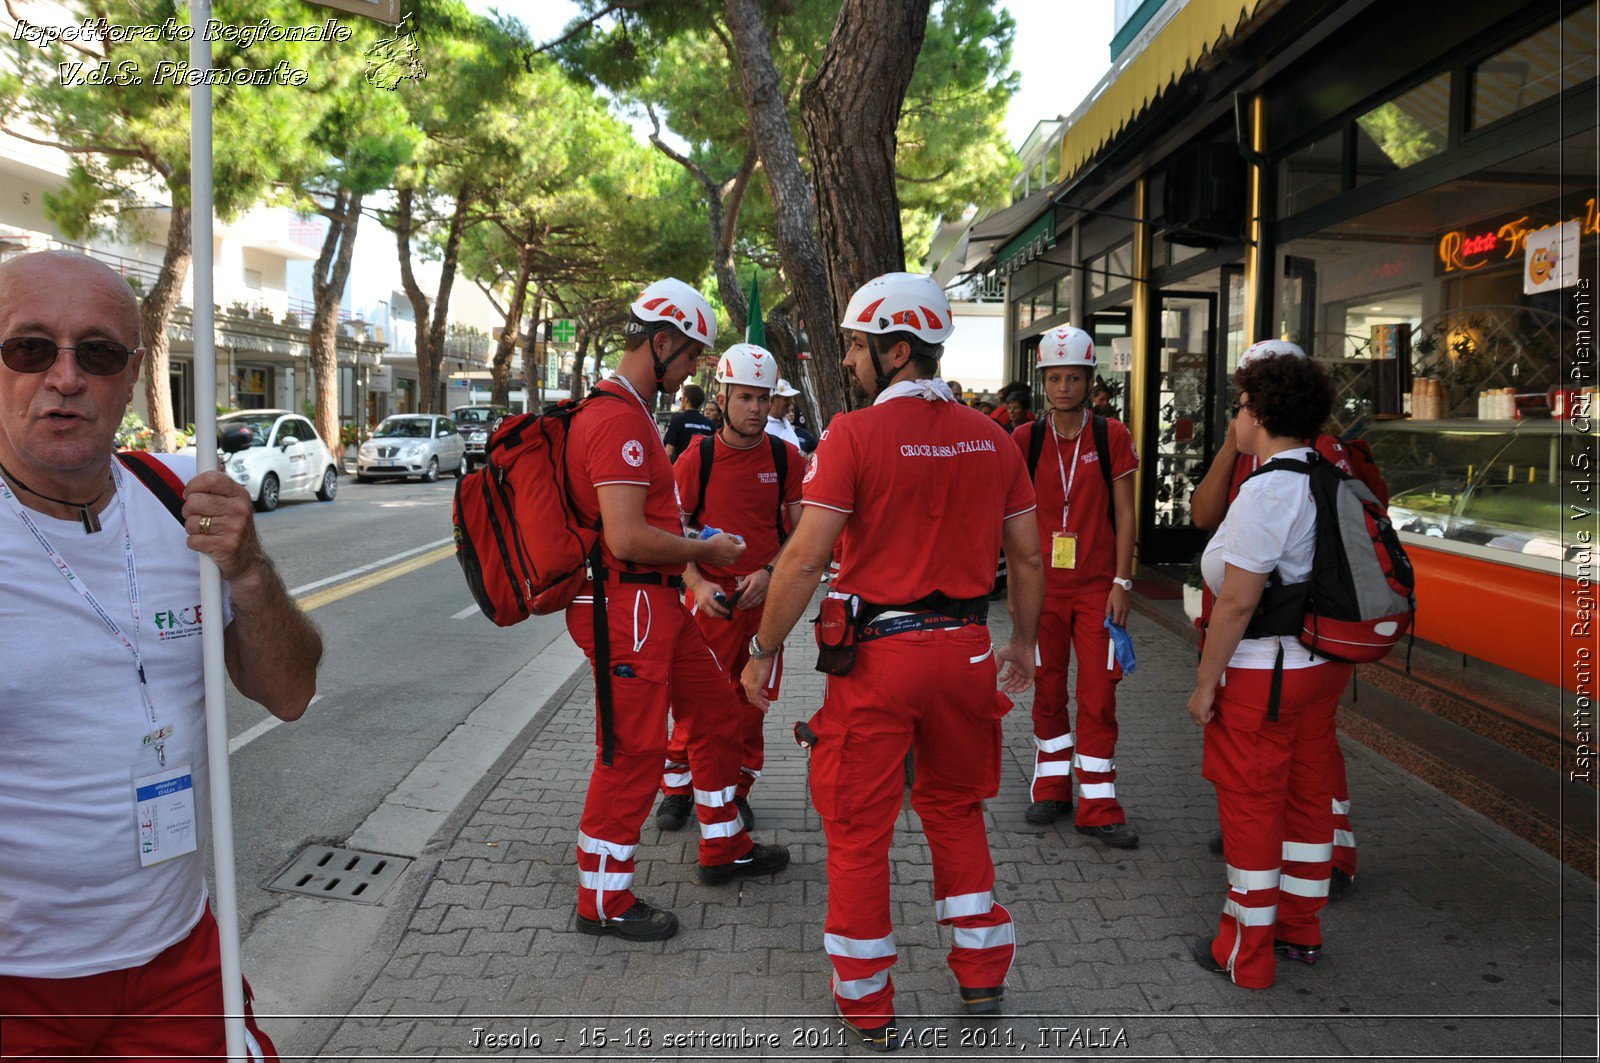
155 312
428 373
577 389
722 217
511 330
327 288
404 226
531 355
798 246
851 111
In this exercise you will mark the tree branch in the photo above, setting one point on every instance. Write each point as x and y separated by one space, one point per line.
582 27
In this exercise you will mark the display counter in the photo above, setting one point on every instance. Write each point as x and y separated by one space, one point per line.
1485 511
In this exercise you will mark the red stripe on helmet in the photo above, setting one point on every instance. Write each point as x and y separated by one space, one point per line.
866 314
933 319
651 304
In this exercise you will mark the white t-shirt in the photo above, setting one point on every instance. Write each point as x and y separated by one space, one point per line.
780 427
1272 524
73 899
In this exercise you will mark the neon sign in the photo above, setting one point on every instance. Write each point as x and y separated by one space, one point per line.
1465 251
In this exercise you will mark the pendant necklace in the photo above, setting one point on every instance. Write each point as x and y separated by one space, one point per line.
91 523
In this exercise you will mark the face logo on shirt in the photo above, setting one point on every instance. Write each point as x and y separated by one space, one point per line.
633 453
811 468
177 623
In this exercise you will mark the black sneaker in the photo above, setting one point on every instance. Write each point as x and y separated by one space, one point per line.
642 922
1306 954
982 1001
1201 951
674 812
1045 813
749 817
760 860
883 1038
1215 844
1339 884
1116 835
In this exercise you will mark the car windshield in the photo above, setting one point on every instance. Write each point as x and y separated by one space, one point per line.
415 427
474 415
260 426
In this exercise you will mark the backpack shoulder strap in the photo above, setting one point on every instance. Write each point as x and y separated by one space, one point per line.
1035 445
1102 448
1290 464
157 478
708 447
780 462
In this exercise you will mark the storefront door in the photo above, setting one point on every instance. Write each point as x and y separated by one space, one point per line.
1175 446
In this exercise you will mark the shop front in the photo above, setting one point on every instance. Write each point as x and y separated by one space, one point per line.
1413 201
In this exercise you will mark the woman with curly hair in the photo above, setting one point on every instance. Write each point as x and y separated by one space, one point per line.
1266 702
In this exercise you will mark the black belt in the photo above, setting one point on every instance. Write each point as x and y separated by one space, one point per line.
935 610
652 579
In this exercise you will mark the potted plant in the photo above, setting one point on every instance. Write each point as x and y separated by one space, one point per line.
1192 584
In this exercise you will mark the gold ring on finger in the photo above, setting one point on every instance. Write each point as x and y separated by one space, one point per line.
205 525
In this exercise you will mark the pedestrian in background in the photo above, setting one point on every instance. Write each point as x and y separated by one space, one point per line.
782 405
688 424
1269 734
107 942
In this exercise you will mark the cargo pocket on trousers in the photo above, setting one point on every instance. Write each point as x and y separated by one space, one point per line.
826 759
1233 742
637 688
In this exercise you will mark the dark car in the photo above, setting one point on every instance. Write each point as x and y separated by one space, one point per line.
476 423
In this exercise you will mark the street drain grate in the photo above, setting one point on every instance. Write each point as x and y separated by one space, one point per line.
341 874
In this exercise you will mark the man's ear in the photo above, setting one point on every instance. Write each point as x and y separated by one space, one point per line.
900 355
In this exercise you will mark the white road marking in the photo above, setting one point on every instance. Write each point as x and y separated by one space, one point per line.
364 569
244 738
468 611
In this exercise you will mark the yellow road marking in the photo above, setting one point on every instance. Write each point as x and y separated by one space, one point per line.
372 579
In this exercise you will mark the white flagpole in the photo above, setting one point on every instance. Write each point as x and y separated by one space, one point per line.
205 437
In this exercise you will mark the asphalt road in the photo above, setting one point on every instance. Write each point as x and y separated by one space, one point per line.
405 661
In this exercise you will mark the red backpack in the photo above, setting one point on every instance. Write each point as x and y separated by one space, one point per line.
521 544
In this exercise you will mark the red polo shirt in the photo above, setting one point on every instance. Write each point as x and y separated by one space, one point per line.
743 496
1076 463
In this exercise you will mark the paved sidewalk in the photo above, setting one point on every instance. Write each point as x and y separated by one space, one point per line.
1459 938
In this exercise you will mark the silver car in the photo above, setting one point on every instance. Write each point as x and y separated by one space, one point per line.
412 444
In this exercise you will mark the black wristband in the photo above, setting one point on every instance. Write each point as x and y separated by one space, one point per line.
768 568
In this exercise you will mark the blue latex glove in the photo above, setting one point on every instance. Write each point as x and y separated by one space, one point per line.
1122 646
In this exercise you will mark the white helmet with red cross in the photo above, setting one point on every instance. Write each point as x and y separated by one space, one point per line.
1268 348
901 302
677 304
747 363
1065 345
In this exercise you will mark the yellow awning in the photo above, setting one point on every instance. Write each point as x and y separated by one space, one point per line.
1198 29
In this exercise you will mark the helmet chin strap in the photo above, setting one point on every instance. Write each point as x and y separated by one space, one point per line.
727 421
660 366
877 362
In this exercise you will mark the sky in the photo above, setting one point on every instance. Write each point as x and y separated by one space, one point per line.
1062 48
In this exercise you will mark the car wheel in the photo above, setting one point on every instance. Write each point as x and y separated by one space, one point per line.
330 485
464 468
432 475
267 500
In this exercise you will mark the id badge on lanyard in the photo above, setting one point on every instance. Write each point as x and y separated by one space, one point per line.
1064 544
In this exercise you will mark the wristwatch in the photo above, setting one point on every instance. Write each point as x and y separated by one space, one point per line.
759 654
1125 584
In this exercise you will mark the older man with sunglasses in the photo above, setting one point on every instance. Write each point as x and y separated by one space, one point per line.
107 944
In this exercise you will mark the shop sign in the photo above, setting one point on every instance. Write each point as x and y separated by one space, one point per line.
1551 259
1464 250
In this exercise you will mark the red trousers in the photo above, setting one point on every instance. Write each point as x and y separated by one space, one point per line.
663 660
1274 794
167 1009
730 643
1076 624
932 692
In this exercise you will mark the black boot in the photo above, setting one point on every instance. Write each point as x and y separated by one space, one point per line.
674 812
760 860
983 1001
1116 835
1045 813
878 1038
1306 954
642 922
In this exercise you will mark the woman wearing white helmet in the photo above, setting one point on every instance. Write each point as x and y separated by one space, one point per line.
747 483
1081 465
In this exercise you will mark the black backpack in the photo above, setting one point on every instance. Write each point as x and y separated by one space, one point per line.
1102 447
780 462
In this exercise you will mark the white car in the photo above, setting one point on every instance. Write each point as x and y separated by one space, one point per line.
285 459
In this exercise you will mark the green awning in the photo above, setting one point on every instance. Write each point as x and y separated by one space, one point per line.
1027 245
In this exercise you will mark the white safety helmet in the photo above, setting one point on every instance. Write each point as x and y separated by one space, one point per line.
677 304
785 390
747 363
901 302
1266 348
1065 345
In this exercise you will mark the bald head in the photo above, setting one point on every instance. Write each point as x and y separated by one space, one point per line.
70 276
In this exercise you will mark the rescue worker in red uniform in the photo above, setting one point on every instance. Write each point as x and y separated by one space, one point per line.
920 493
1088 566
618 473
745 494
1210 503
1266 702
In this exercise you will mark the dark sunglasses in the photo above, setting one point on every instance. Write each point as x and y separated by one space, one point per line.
35 354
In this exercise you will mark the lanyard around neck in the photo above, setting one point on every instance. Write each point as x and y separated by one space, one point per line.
130 571
1066 480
